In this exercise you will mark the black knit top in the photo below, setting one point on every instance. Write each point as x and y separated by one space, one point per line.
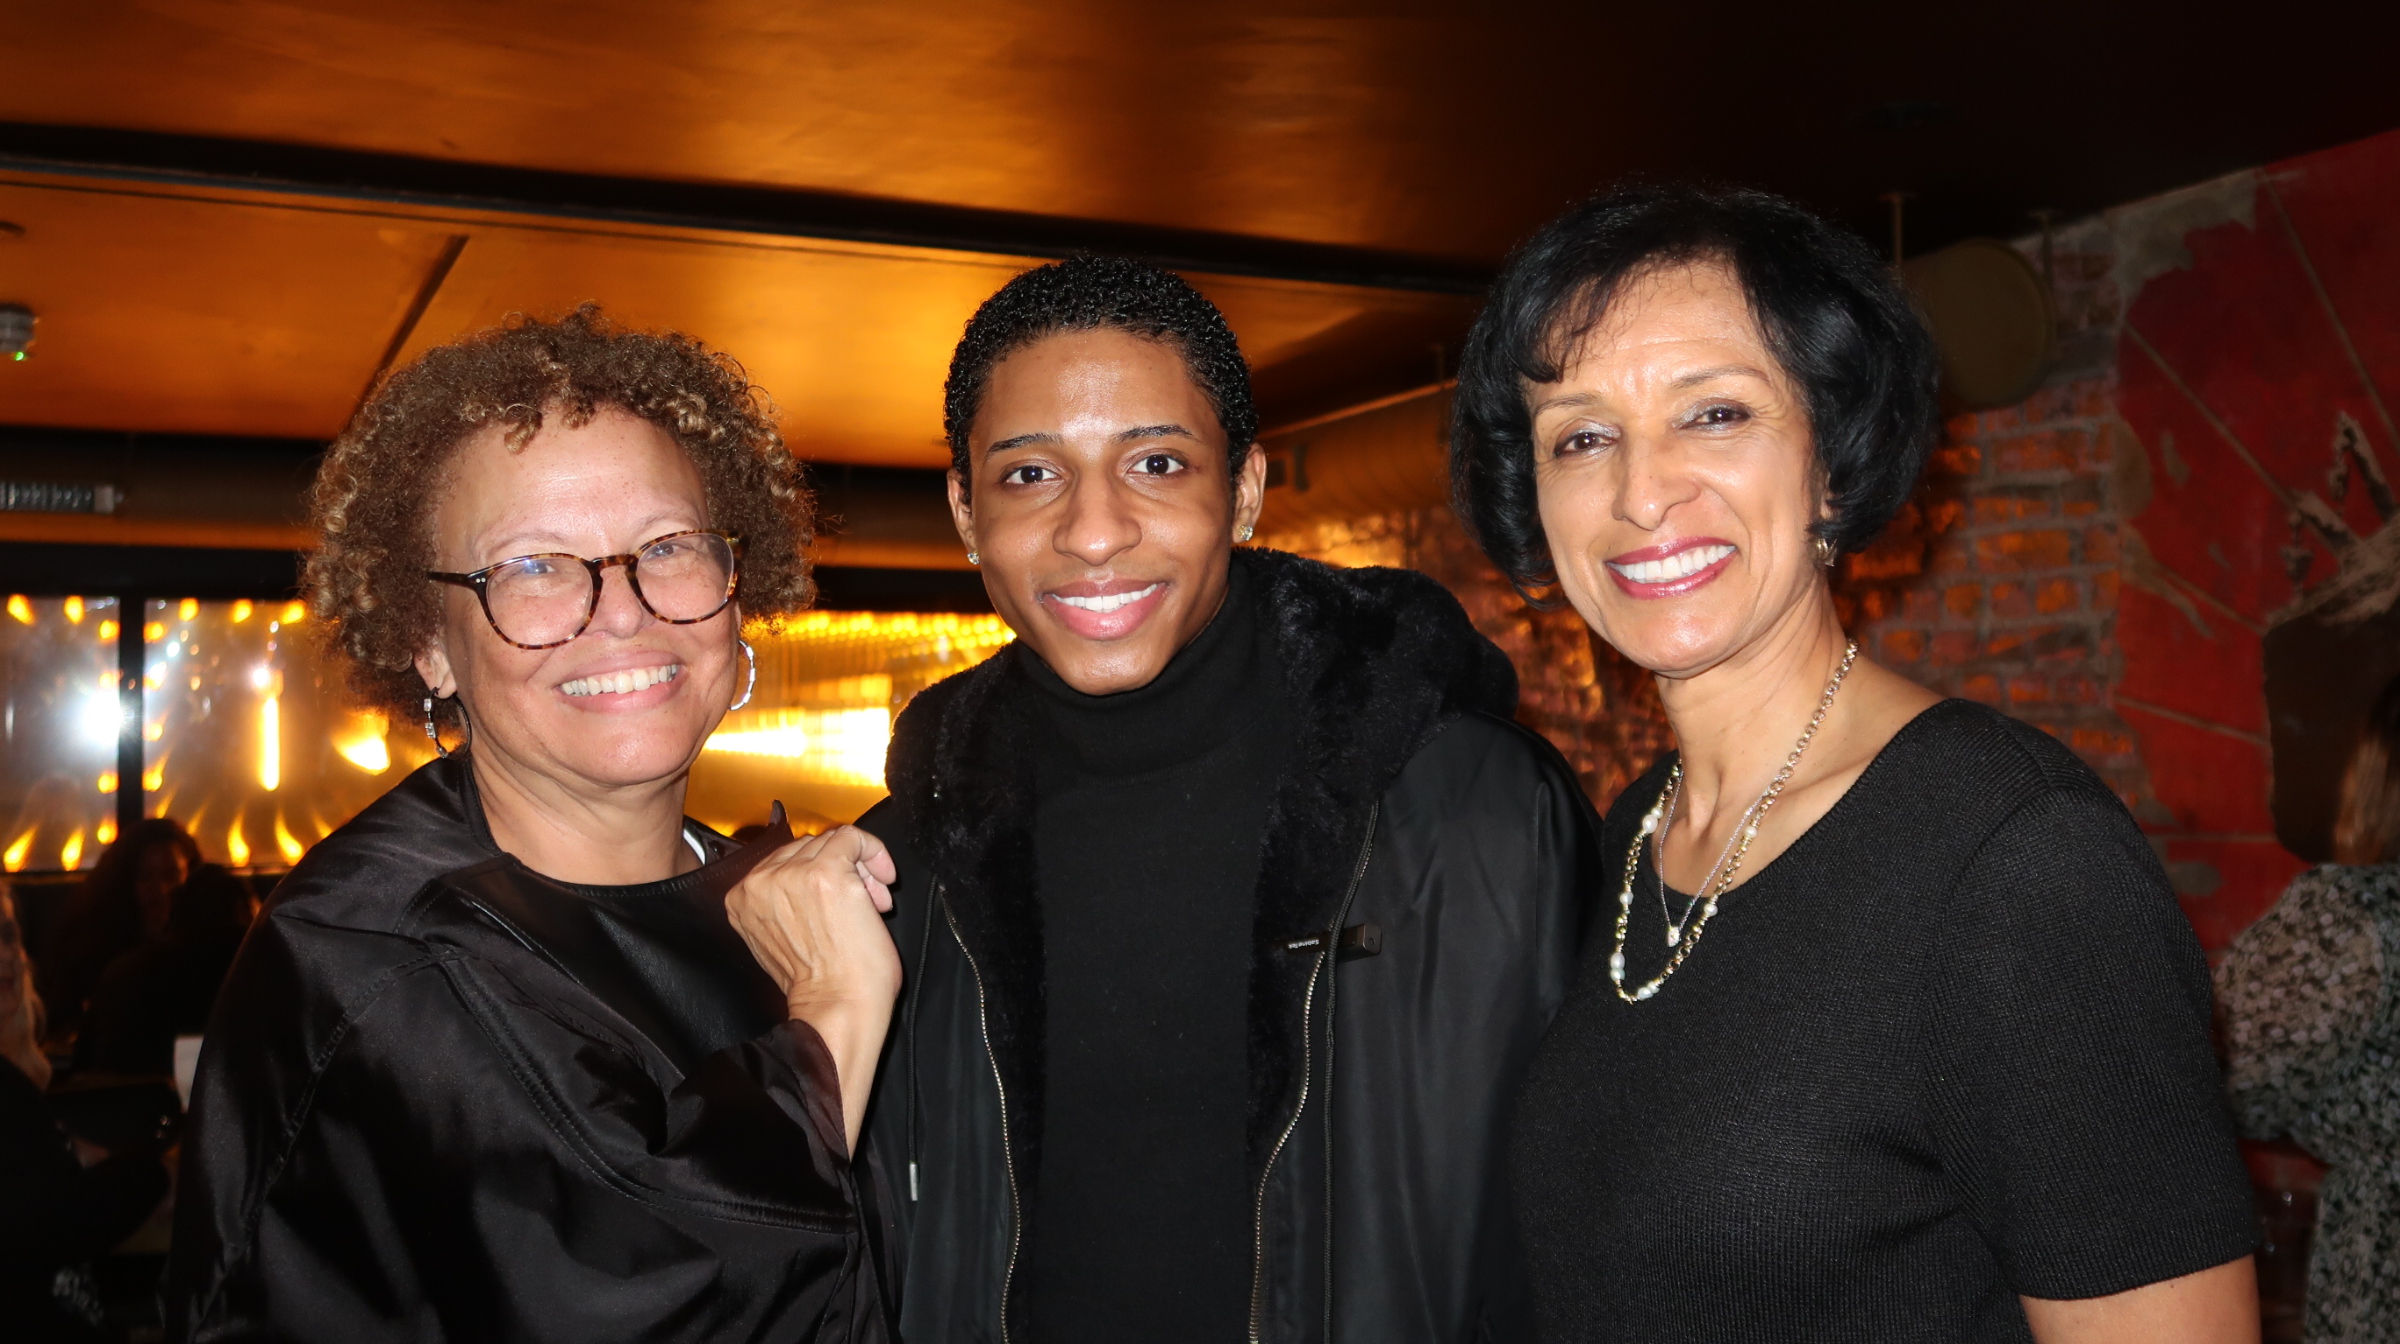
1150 806
1952 1046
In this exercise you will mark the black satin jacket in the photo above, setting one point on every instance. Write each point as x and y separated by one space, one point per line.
445 1098
1424 882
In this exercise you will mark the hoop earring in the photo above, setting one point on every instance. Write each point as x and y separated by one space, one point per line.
752 683
434 735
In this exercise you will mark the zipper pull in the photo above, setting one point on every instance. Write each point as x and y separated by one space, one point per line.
912 1181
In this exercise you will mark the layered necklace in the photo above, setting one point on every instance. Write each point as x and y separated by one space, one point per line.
1684 934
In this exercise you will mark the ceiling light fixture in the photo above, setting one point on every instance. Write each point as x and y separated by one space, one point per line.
16 330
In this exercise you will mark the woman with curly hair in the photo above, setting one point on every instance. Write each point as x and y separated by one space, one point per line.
521 1052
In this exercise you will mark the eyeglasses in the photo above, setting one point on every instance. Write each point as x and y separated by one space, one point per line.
543 601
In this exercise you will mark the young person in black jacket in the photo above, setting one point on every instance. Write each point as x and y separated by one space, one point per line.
1231 900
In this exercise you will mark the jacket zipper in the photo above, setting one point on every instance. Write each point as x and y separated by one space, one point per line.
1308 1004
1008 1159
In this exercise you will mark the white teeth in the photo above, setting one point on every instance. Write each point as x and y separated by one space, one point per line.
1108 603
1682 564
623 683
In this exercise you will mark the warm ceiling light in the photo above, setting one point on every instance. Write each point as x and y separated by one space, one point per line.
16 330
20 609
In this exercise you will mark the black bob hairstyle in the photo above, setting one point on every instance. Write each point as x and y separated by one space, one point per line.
1831 312
1089 293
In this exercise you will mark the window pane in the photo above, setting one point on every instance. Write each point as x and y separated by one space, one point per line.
251 740
58 731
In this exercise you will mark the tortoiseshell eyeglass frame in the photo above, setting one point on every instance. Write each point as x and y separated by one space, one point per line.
480 581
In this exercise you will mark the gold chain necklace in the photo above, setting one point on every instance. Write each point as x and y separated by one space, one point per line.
1745 832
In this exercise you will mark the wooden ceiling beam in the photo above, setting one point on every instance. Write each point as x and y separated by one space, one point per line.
308 171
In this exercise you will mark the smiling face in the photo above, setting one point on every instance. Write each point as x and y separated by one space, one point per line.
1676 478
1100 504
630 700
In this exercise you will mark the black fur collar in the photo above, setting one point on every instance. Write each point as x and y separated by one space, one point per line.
1375 660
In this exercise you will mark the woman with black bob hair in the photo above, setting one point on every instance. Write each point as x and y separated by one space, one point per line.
1892 1029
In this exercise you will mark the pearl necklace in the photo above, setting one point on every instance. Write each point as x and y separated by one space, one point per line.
1720 879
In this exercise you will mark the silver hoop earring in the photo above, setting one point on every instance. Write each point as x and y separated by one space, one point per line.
1826 555
752 683
973 558
434 735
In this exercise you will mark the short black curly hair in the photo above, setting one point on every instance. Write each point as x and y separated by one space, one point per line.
1087 293
1831 312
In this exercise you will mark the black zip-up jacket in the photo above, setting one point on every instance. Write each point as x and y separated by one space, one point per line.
1424 876
445 1098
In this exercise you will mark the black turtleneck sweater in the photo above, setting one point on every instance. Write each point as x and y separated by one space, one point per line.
1150 809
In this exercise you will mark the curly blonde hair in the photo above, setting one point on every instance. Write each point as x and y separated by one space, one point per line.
372 504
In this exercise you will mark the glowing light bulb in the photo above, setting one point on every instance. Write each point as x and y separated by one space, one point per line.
74 609
107 832
241 611
286 843
270 745
108 781
20 608
70 854
236 848
154 778
13 858
153 632
108 632
294 612
187 608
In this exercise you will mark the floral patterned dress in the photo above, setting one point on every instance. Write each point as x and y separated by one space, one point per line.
2312 1035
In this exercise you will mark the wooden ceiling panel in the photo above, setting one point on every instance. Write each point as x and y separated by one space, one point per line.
850 344
178 315
217 312
1442 130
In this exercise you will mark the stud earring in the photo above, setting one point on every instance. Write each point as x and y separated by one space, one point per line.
1247 532
752 683
973 558
1826 555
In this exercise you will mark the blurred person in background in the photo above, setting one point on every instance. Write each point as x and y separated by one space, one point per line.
61 1201
164 988
1900 1033
122 903
1232 896
521 1052
2312 1039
